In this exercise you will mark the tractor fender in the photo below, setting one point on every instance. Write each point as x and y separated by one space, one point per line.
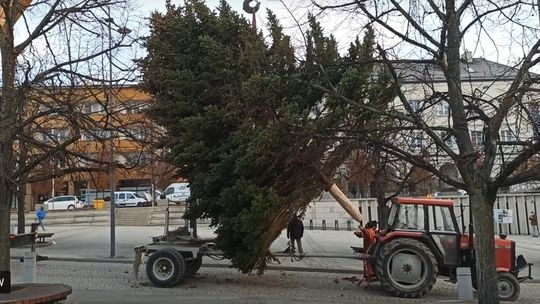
391 235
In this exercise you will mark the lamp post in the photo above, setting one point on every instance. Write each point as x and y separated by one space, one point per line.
110 105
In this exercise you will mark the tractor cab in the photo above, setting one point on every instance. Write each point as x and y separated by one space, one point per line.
427 215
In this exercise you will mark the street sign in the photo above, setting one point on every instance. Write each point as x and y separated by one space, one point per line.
503 216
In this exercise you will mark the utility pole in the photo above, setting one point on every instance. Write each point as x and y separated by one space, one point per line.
112 169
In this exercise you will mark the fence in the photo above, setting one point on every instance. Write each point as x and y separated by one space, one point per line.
328 214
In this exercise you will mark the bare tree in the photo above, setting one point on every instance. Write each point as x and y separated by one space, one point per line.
57 56
488 130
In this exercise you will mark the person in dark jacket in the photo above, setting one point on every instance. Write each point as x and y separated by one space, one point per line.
295 232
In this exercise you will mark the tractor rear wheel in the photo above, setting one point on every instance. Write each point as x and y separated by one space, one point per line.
165 268
508 286
407 268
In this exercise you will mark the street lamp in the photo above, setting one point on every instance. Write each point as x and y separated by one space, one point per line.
112 166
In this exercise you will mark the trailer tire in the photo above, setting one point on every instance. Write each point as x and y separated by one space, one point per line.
405 247
192 266
165 268
507 286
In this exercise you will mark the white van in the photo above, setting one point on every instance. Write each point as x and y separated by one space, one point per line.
177 192
126 199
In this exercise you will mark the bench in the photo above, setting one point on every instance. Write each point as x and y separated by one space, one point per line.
42 236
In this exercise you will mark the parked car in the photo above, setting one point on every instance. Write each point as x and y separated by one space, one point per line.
127 199
177 192
64 202
148 195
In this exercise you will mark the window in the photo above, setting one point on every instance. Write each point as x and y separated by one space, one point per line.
416 105
477 138
122 196
54 135
449 140
135 107
418 138
411 217
535 115
168 191
103 134
443 109
93 108
137 158
130 196
139 133
86 136
507 135
440 219
61 134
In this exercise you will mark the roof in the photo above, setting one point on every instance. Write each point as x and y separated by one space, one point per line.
424 201
478 69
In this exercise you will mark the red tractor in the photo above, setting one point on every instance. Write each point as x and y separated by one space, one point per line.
423 240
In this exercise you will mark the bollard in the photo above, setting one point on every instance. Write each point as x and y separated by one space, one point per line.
464 283
311 224
323 224
29 265
336 224
349 225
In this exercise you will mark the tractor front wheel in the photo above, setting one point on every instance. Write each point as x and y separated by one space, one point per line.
407 268
508 286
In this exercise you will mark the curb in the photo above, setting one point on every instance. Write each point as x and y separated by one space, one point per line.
130 261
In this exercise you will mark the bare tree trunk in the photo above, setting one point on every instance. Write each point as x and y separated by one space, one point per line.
21 191
21 205
486 274
7 120
5 212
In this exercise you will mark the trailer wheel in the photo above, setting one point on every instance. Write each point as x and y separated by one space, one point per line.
407 268
192 266
165 268
508 286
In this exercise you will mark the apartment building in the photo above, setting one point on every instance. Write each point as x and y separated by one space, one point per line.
483 83
106 126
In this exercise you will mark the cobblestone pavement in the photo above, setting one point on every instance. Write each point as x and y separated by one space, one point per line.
114 283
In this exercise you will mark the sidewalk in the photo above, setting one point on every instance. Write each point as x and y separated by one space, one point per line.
328 251
92 243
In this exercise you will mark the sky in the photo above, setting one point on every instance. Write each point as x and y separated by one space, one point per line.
343 31
345 27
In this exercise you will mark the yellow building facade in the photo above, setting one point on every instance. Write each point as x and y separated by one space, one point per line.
112 128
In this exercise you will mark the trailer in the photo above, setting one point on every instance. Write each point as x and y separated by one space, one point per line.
177 255
174 256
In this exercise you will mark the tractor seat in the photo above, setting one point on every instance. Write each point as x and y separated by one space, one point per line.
521 263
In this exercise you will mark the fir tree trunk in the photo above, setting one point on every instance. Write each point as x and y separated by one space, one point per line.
380 186
486 274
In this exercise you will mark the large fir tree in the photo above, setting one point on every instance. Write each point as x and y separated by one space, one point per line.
248 123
